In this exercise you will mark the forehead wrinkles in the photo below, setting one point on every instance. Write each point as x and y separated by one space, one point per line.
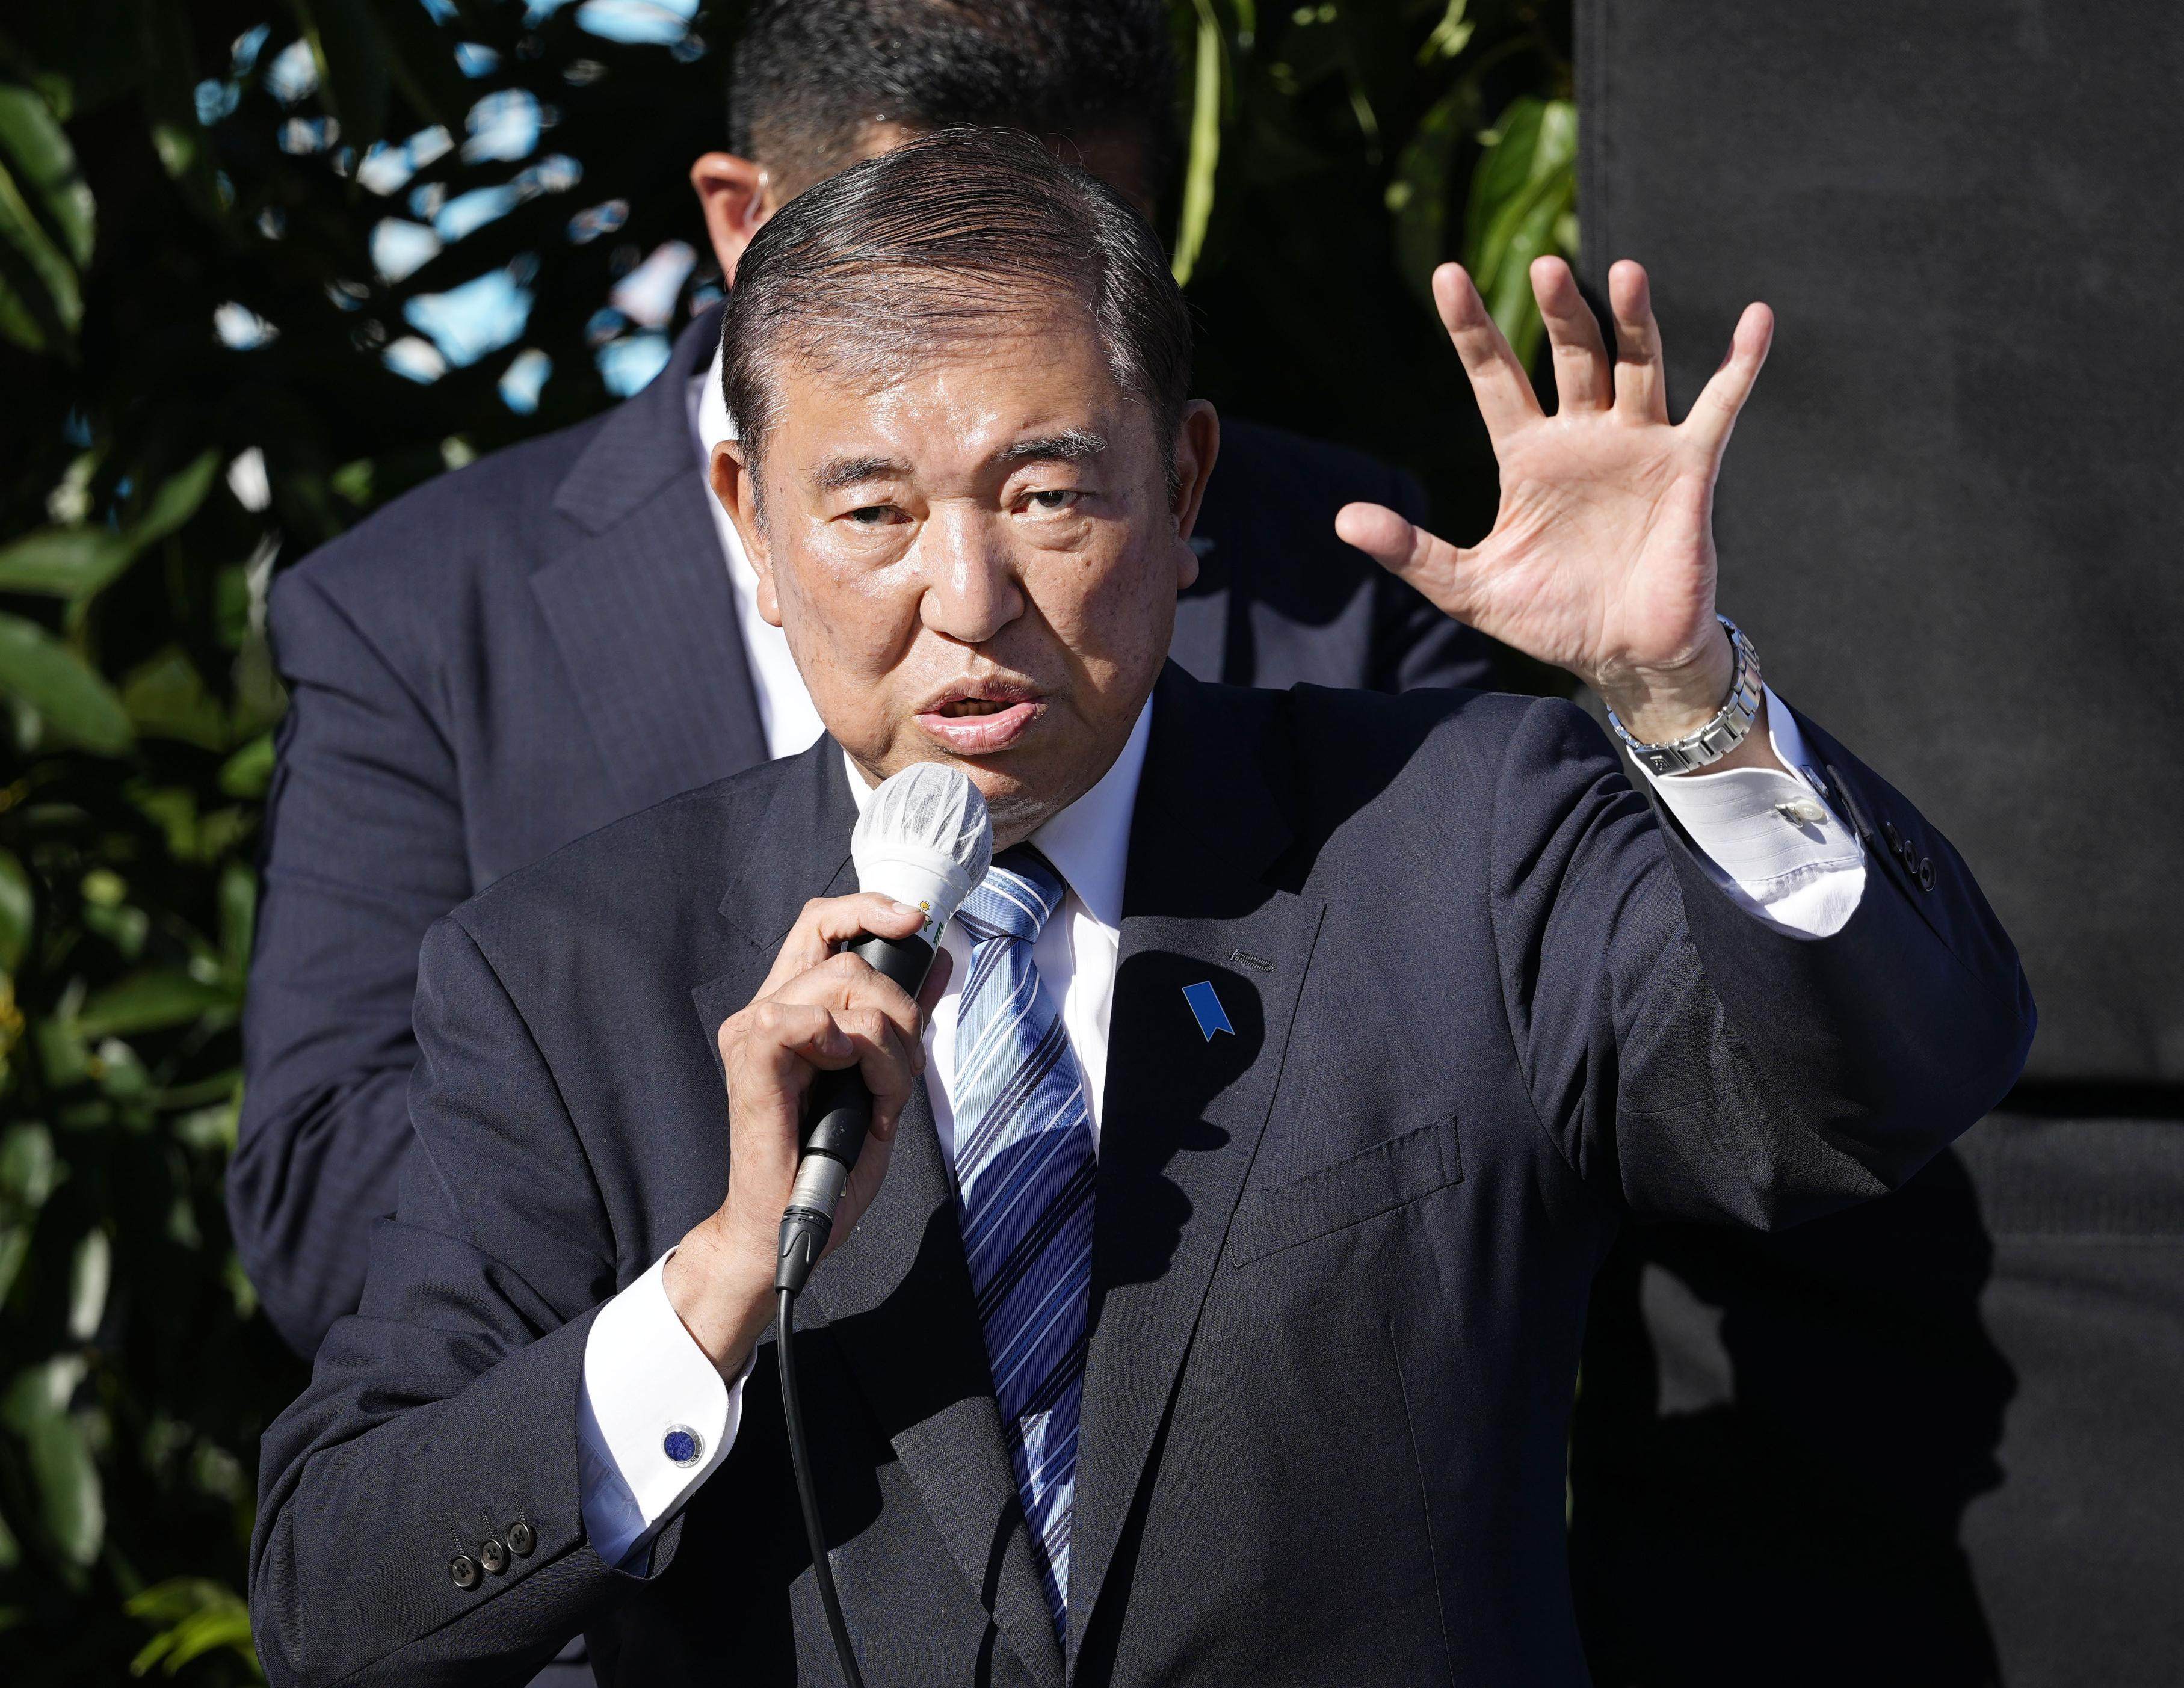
961 368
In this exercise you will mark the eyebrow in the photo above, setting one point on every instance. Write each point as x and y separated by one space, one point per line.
1071 445
851 471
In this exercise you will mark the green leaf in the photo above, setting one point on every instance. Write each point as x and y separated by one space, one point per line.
249 771
77 562
1205 156
28 1170
35 274
1520 197
201 1615
38 151
239 917
70 1502
62 687
149 1001
18 907
175 501
166 698
66 562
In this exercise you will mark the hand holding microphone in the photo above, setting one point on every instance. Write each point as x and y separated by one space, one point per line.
827 1025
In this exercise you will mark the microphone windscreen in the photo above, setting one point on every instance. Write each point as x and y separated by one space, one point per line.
925 838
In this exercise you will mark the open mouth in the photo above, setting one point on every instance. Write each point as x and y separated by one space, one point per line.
981 718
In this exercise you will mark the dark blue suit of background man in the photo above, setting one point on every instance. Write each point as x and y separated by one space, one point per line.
521 652
1395 1008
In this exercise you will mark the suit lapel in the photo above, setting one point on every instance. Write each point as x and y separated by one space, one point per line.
639 603
1184 1109
896 1295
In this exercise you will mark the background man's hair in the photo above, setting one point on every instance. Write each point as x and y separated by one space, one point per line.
809 75
954 235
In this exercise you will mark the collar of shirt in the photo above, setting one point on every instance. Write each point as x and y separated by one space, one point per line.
1089 843
785 711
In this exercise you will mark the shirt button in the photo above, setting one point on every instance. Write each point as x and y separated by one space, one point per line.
464 1569
1801 811
493 1557
682 1445
521 1539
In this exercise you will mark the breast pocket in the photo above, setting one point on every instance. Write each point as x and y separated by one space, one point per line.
1359 1187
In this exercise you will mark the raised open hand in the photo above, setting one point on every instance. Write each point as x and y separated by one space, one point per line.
1601 560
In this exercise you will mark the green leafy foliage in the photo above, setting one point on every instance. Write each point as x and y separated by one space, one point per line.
228 233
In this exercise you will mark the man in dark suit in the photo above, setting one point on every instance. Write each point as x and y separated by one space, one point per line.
563 634
1206 1305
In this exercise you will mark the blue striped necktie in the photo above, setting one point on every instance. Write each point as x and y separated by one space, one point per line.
1023 1177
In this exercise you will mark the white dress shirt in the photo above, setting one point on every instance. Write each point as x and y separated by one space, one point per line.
1769 838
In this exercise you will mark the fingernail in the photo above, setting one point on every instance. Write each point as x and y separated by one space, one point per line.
908 909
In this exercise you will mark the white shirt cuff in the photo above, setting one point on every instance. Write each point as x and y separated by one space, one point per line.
1772 837
653 1420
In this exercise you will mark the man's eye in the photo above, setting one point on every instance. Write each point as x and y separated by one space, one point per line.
1053 499
875 516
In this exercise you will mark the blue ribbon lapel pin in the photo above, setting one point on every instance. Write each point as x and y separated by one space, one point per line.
1206 1008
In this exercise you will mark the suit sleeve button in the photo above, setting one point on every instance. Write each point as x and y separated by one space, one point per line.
493 1557
521 1539
1895 839
1925 872
464 1569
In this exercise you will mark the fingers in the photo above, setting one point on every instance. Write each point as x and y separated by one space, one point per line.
772 1050
1582 382
1641 386
1498 380
827 922
1715 412
1433 565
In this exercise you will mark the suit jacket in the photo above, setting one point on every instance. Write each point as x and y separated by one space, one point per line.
514 655
1484 1003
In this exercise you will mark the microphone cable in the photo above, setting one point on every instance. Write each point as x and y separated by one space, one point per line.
924 838
807 1494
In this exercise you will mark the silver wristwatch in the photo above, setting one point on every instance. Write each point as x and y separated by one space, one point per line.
1720 736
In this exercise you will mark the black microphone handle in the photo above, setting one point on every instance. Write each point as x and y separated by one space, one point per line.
837 1115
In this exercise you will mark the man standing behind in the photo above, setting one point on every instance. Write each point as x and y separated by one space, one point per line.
517 654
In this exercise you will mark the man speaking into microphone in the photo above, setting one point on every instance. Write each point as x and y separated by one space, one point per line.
1205 1305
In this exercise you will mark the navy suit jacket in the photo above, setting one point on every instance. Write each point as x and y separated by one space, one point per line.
1485 1005
515 656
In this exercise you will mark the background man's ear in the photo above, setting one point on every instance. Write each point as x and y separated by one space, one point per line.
736 487
1197 445
736 197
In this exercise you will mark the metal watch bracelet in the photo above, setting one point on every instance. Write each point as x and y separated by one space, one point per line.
1728 729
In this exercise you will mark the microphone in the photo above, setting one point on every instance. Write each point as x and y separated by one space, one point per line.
924 838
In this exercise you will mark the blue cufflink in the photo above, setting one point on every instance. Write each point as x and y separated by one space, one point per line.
682 1445
1207 1006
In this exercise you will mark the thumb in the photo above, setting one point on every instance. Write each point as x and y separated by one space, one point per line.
1405 549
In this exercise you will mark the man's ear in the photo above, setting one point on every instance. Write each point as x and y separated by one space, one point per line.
1197 444
736 197
735 484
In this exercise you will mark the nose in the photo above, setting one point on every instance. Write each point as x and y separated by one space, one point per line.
972 589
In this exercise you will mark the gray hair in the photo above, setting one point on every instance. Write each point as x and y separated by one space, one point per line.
950 236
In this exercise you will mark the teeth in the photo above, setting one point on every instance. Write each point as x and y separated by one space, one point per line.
963 706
